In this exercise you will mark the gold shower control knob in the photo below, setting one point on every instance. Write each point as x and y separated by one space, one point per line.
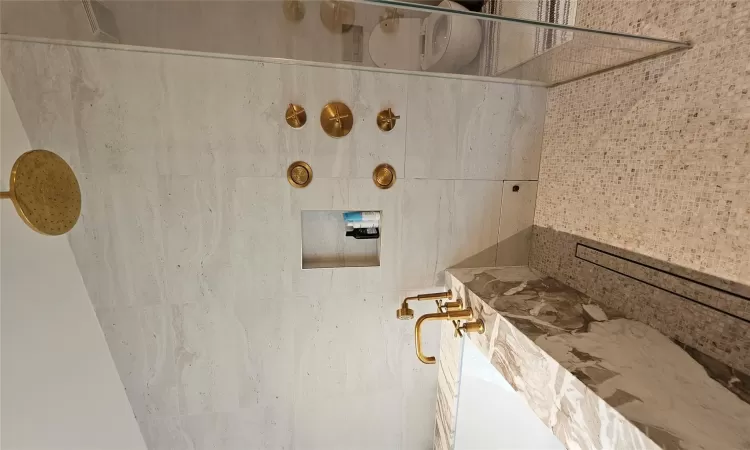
299 174
384 176
386 120
296 116
336 119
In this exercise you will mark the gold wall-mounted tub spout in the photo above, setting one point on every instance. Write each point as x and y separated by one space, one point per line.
462 314
406 313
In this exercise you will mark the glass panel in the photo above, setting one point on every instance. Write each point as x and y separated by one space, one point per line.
378 35
491 414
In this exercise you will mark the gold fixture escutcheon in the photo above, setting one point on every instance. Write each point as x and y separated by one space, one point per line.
337 16
384 176
294 10
295 115
336 119
45 192
299 174
386 120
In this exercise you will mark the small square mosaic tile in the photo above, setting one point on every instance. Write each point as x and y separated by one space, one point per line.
655 157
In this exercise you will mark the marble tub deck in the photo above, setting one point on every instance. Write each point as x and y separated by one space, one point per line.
598 380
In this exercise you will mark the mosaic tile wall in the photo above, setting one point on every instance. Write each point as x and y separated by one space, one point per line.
655 157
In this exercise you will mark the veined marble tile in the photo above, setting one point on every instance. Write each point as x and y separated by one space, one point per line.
516 221
474 221
267 368
94 246
262 254
500 131
165 433
240 430
432 136
209 350
336 340
444 223
135 226
425 215
376 413
628 385
473 130
39 97
141 343
197 221
232 127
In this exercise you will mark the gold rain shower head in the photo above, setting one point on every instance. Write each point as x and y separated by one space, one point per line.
45 192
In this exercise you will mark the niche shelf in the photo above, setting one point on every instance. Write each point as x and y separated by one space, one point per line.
325 244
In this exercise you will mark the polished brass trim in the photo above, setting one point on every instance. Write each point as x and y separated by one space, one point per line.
462 314
336 119
337 16
45 192
384 176
295 115
386 120
294 10
299 174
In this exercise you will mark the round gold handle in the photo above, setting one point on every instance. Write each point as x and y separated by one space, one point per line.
384 176
336 119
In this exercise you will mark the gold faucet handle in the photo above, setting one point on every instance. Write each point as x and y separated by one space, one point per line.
386 120
470 327
452 306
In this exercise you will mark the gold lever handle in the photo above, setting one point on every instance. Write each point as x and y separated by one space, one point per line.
386 120
462 314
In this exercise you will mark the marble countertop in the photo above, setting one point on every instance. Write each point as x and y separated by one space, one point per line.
598 380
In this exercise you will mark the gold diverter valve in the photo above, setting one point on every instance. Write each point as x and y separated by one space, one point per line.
453 311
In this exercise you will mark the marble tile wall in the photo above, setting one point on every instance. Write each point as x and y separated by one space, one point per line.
655 157
189 240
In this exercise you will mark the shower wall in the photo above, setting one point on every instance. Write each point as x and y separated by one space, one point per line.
189 240
655 157
652 162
